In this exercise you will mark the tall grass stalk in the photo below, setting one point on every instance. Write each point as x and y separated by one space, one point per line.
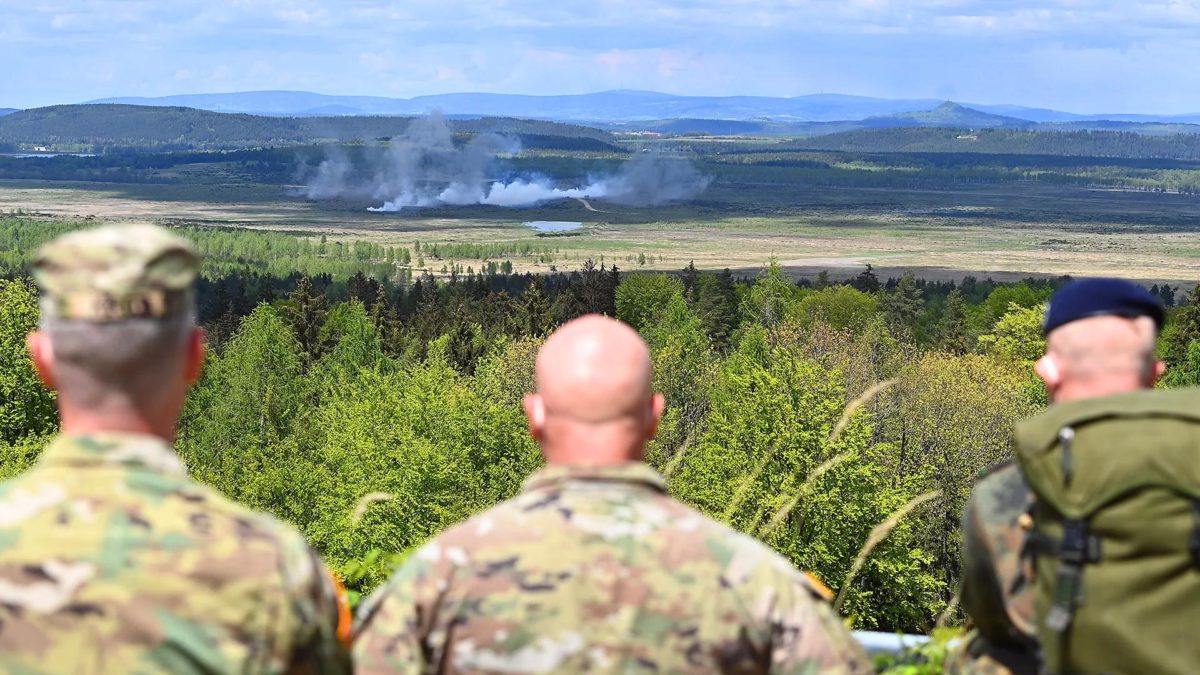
878 534
847 414
852 407
813 477
675 461
367 501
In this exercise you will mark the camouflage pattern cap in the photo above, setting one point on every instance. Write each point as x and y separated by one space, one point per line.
117 272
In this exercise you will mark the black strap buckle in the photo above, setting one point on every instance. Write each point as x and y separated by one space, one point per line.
1076 549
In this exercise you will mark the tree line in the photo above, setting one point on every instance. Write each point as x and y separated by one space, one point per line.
320 392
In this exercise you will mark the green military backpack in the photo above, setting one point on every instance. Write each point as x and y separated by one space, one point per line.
1115 532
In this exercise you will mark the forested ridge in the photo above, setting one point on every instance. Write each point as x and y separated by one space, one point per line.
106 127
327 383
871 164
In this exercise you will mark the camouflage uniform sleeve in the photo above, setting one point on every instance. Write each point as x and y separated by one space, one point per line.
994 593
809 637
393 625
315 647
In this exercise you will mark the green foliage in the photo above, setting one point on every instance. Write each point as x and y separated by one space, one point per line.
26 408
771 296
839 307
237 430
684 370
225 251
1002 300
1186 372
642 298
1183 329
375 422
771 415
953 335
926 659
904 305
1017 335
19 455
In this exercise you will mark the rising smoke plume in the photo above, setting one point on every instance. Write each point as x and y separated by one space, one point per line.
425 168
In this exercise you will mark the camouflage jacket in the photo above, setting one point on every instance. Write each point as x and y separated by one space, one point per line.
597 569
113 561
997 581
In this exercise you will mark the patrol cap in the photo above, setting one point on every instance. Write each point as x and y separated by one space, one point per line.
117 272
1101 297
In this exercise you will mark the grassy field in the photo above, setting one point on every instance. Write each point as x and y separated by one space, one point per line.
1003 230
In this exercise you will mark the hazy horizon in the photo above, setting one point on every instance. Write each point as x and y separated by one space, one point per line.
1080 56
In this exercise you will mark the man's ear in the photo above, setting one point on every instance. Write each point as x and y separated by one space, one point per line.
1047 369
195 356
535 413
657 405
1157 372
42 353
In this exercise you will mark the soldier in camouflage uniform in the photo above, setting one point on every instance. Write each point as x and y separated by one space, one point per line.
111 559
1100 340
593 567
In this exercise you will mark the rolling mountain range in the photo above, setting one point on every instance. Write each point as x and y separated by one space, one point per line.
946 115
102 127
611 106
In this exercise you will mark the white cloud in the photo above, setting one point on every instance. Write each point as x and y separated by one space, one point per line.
1086 54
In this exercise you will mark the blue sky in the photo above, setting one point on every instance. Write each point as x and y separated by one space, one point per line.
1085 56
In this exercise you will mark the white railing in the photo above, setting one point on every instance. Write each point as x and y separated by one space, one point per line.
887 643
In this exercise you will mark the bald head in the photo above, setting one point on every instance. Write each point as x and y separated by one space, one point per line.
594 403
1099 356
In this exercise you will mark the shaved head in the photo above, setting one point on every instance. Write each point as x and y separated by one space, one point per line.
594 402
1099 356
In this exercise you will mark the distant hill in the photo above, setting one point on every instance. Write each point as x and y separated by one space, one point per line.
612 106
622 105
6 111
175 128
948 114
1063 143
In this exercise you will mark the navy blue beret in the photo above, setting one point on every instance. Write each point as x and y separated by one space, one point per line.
1101 297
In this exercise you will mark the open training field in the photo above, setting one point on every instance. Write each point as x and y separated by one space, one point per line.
1004 231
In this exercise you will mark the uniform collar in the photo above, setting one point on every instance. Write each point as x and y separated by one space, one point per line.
113 449
631 473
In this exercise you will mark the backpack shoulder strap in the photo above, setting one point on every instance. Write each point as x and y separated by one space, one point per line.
1079 457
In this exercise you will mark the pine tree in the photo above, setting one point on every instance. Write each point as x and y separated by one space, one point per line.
867 281
1167 293
689 278
953 329
534 310
361 287
717 307
904 305
380 308
307 315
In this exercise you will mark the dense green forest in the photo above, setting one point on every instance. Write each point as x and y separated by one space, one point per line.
325 387
107 127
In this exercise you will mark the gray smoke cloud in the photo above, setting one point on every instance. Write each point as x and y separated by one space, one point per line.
425 168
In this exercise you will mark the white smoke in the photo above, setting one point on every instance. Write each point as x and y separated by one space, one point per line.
425 168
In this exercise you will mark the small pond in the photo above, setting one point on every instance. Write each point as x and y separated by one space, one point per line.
554 225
